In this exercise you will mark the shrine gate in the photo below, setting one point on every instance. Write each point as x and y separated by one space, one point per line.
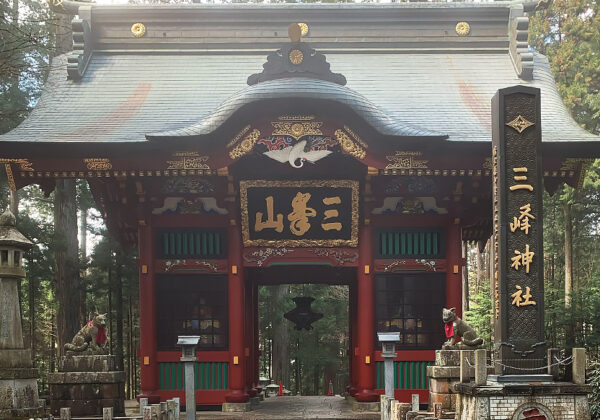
353 148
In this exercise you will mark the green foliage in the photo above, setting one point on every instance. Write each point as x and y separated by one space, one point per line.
313 355
479 317
593 374
568 33
26 39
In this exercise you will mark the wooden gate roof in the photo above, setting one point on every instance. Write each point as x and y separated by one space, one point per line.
410 68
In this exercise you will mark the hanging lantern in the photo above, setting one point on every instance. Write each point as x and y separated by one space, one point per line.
302 315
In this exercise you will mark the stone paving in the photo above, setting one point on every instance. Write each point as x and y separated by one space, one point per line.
283 408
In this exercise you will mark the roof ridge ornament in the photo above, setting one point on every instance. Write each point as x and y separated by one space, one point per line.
296 59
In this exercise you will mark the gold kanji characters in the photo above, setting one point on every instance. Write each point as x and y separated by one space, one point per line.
520 299
521 178
301 212
522 222
330 214
270 223
522 259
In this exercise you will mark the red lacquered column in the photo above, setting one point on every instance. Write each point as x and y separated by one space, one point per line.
454 270
148 363
249 341
353 358
237 384
366 318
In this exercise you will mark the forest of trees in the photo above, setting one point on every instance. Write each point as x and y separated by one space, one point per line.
76 268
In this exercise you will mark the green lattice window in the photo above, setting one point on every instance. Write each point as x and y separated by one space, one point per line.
207 375
410 243
191 243
407 375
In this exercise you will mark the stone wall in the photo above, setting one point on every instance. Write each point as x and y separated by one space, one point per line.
557 401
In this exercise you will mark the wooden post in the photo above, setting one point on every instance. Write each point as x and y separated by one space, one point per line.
147 413
163 410
480 367
65 413
517 231
155 411
579 366
177 409
107 413
171 410
143 404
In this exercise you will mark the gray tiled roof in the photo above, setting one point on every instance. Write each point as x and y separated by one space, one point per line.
123 97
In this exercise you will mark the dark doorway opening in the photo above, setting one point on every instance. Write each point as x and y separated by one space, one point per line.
304 361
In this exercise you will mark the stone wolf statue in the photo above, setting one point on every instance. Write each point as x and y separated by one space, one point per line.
90 339
458 330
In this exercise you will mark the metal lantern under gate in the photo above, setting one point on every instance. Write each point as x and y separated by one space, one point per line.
303 315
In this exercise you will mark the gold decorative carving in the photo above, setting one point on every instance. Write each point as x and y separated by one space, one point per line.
296 117
245 145
463 28
520 124
406 160
11 178
189 160
585 165
348 145
356 137
352 242
487 163
98 164
24 164
296 57
303 28
296 129
138 29
239 135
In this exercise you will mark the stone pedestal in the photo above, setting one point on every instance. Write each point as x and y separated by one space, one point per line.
87 384
501 401
444 375
18 385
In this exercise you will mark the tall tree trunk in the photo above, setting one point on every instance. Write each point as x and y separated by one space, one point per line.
118 288
66 262
52 342
570 330
64 36
83 226
14 203
465 279
280 338
568 254
110 309
32 292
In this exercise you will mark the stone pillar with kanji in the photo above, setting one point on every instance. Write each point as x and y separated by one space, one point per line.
518 283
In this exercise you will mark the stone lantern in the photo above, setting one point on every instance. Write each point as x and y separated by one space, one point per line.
188 345
18 377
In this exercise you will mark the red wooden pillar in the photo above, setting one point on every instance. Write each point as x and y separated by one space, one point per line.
249 339
256 373
148 363
454 271
366 318
237 359
354 359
